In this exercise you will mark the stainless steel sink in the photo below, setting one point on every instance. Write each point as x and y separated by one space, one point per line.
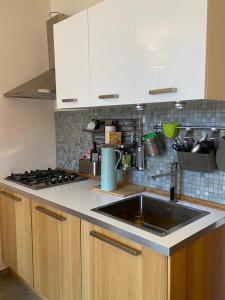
154 215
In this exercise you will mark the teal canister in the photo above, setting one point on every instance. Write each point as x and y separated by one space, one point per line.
109 165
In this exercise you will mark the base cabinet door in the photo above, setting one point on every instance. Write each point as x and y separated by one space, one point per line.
114 268
56 253
16 235
196 272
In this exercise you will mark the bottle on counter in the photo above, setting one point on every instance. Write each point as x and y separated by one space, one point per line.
99 155
126 161
94 157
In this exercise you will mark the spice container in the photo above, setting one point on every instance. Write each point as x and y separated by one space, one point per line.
153 144
113 138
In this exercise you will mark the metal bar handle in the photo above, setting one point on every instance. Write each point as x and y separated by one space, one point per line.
162 91
12 197
115 244
50 213
70 100
188 128
112 96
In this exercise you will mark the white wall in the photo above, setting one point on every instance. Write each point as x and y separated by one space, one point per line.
27 128
71 7
27 136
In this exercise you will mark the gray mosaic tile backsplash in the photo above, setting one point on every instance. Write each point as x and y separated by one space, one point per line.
71 142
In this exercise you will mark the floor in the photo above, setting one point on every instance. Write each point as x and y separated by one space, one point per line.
12 289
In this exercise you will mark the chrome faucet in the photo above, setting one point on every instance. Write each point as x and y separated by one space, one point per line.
173 180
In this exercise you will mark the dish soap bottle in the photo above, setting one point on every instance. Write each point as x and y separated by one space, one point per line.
94 153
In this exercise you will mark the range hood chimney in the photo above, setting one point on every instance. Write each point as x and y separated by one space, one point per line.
42 86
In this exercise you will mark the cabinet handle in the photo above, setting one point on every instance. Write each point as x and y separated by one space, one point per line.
70 100
12 197
163 91
114 243
50 213
112 96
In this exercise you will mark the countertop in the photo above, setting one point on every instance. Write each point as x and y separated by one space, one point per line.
79 198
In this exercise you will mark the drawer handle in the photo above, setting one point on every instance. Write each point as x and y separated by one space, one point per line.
113 96
69 100
50 213
12 197
116 244
163 91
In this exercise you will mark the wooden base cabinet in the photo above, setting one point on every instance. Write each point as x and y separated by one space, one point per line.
114 268
56 255
74 259
16 234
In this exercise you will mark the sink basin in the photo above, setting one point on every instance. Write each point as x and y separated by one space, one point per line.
156 216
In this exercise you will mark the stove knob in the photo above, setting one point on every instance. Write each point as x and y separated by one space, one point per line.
66 178
59 179
72 177
53 180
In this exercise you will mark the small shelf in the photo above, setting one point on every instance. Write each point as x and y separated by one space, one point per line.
127 127
95 131
122 146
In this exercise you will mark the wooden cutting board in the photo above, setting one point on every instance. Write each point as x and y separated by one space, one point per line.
123 190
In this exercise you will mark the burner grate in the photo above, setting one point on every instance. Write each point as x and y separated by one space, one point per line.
39 179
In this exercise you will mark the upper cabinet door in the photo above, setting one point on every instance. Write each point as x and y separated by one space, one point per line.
71 59
170 50
112 52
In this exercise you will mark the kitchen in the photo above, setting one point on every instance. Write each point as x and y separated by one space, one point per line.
139 68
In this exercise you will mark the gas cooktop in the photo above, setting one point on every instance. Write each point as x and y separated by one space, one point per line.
41 179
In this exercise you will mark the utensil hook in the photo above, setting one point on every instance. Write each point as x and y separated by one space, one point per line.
214 137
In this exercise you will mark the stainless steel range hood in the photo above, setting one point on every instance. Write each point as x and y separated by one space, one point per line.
42 86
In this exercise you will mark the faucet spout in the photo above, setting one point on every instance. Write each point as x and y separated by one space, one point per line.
160 175
173 180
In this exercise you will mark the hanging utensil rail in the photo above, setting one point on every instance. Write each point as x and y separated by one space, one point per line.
188 128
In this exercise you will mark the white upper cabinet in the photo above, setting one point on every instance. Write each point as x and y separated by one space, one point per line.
170 50
72 62
141 51
112 52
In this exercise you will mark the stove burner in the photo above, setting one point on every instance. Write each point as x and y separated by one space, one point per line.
40 179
